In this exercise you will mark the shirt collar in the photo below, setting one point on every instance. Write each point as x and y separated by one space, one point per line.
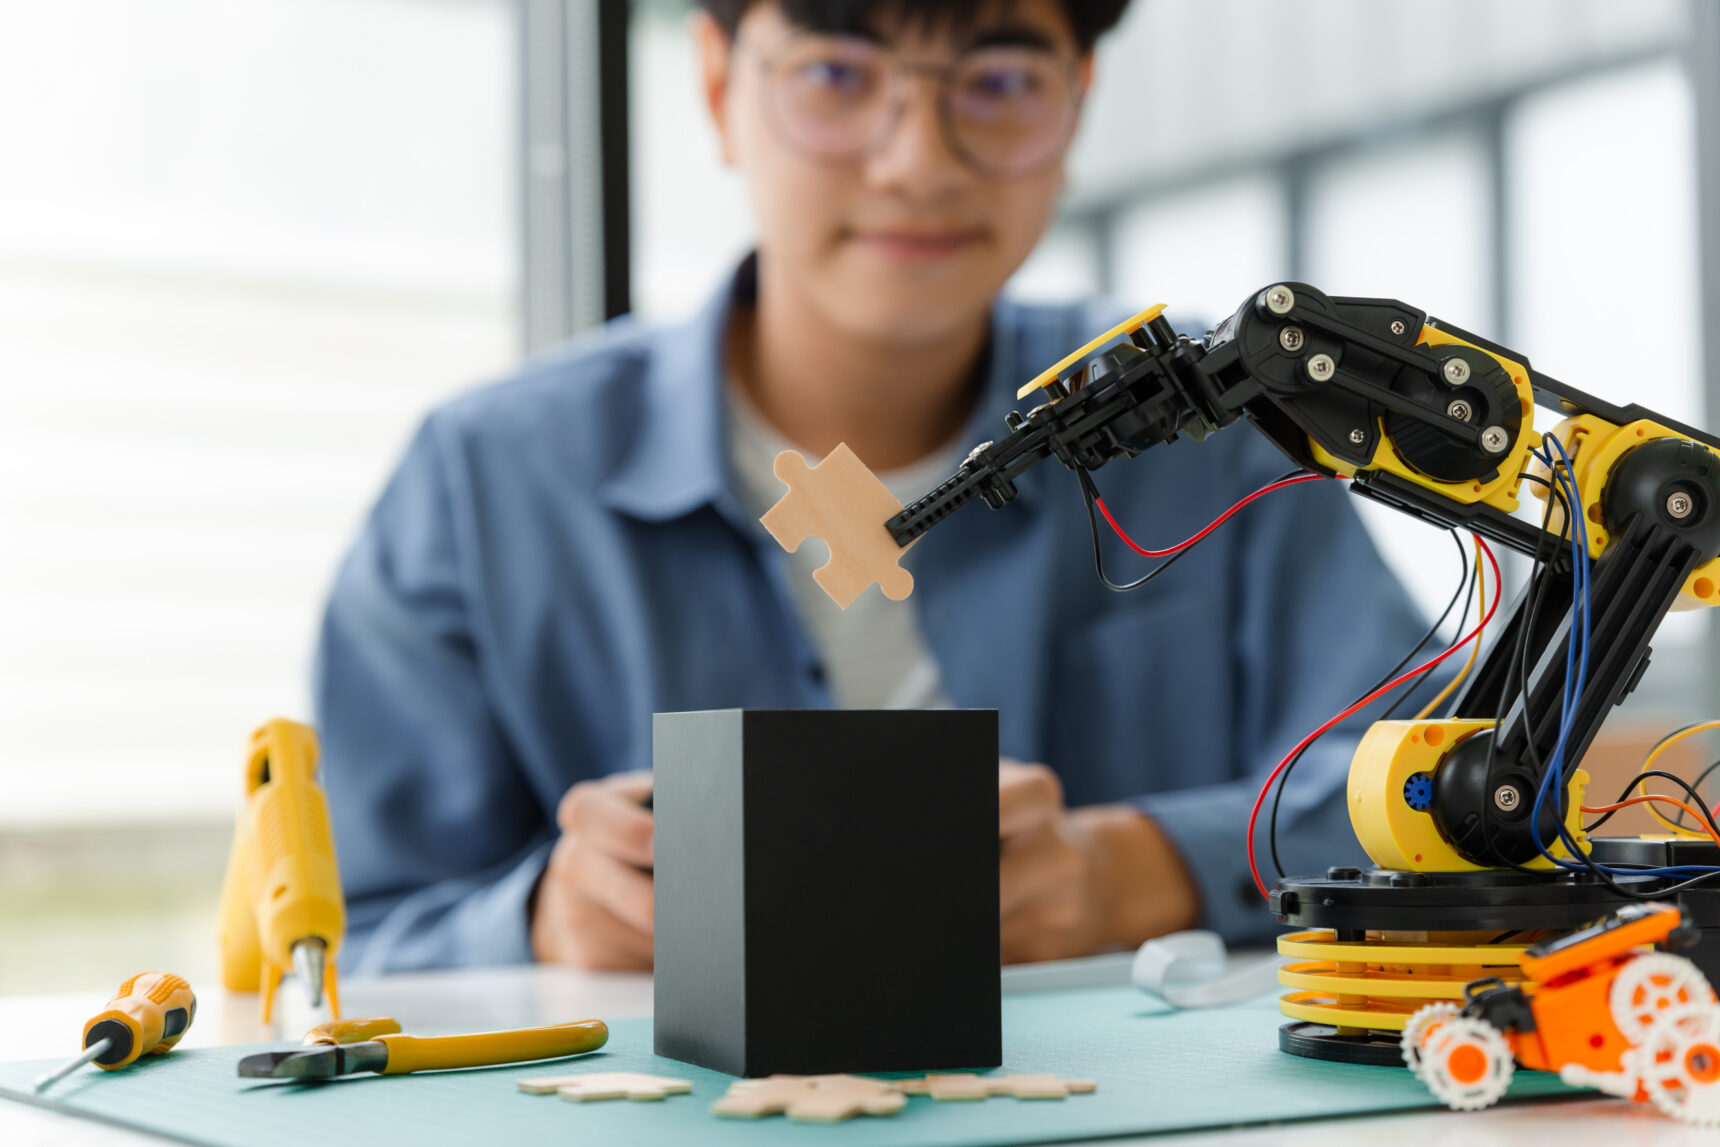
678 461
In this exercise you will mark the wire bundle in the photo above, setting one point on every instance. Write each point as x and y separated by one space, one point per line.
1096 507
1367 699
1090 494
1562 491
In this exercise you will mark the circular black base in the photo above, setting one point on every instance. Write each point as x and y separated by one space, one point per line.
1353 900
1320 1041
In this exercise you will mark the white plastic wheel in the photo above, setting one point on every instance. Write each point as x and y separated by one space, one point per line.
1467 1064
1649 986
1417 1029
1679 1060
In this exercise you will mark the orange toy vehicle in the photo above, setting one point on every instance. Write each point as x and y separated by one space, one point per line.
1593 1006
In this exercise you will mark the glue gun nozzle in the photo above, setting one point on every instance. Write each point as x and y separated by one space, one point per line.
308 957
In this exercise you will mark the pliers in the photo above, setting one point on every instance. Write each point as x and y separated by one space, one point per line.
330 1049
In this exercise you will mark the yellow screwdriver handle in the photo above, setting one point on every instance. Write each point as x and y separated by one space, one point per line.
485 1049
351 1031
148 1015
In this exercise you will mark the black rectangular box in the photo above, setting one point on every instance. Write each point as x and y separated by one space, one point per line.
827 890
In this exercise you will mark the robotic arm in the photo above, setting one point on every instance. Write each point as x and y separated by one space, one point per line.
1437 423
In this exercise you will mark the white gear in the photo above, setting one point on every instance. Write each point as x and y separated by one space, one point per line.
1454 1073
1416 1029
1651 984
1680 1064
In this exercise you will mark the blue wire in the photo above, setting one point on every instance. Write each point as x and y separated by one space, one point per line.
1575 675
1580 601
1572 685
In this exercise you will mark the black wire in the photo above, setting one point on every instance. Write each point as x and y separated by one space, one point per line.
1090 495
1463 582
1530 610
1707 814
1467 589
1667 740
1539 766
1697 783
1536 599
1688 787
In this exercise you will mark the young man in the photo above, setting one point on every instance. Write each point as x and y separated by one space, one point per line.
562 555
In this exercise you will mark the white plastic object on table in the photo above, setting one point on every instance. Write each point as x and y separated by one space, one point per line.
1191 970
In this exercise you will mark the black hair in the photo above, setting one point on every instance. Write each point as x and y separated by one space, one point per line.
1088 19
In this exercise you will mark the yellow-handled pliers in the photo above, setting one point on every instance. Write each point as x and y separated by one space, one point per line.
395 1054
351 1031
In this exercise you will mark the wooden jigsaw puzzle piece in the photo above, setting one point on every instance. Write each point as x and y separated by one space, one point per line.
966 1085
843 502
595 1085
810 1098
948 1086
1040 1086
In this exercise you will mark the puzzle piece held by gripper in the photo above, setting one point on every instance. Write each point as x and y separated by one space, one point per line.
844 503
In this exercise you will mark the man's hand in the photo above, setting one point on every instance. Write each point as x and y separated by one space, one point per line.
1077 880
593 904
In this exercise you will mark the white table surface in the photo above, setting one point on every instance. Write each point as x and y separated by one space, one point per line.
474 999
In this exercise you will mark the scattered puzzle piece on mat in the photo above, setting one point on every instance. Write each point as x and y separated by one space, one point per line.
964 1085
810 1098
605 1085
843 502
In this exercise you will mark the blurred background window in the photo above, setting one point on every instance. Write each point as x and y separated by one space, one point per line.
246 244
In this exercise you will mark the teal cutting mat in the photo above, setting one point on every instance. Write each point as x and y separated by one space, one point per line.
1157 1071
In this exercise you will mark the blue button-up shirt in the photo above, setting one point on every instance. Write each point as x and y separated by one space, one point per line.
561 555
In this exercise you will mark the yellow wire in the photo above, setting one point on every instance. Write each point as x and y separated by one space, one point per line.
1666 743
1475 648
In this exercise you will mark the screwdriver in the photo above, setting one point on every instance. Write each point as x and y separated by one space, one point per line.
149 1013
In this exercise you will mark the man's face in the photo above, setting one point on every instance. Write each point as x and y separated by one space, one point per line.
881 224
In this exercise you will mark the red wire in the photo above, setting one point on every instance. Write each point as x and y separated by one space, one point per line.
1254 816
1216 522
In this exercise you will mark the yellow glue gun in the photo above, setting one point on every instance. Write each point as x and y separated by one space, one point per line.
281 904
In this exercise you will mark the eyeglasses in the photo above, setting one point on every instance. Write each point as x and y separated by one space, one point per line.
1005 111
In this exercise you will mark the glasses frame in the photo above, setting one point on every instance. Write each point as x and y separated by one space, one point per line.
899 67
